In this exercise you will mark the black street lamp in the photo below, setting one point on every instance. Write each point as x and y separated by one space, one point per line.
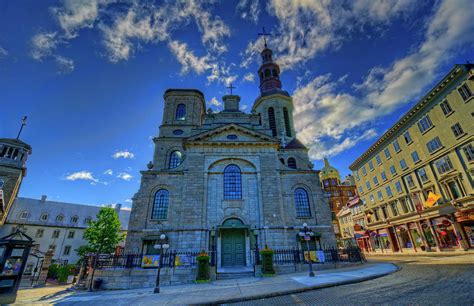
306 234
161 245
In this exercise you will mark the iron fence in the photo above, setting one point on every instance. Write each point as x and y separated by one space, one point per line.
175 259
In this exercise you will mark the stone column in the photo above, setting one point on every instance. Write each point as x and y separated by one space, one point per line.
435 235
422 235
460 233
411 238
44 268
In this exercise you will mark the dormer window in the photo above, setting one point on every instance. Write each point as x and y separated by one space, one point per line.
24 215
74 219
44 217
59 218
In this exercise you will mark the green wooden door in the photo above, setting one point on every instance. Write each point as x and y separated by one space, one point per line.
233 248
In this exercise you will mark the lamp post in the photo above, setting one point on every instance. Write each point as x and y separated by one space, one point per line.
161 245
306 234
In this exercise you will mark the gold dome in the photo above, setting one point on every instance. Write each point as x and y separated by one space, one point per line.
329 172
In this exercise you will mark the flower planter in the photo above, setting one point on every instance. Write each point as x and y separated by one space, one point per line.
203 273
267 262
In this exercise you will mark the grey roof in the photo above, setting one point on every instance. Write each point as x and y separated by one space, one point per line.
36 208
296 144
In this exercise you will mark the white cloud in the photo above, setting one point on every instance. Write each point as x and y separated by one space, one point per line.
65 65
187 59
82 175
124 176
129 200
249 77
75 15
3 52
249 10
328 120
306 28
123 154
215 102
243 107
108 172
43 45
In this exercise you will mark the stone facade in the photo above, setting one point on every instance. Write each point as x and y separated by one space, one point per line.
189 194
58 226
429 151
13 156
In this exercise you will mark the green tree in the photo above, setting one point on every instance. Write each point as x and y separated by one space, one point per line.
102 234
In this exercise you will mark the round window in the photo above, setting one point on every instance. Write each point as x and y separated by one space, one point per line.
178 132
232 136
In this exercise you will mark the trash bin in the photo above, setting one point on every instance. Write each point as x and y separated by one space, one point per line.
97 283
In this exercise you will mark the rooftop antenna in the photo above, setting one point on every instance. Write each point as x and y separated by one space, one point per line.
264 34
23 123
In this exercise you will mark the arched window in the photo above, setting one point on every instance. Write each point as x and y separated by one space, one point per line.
160 204
232 183
302 203
274 72
175 159
282 160
287 121
181 112
59 218
44 217
271 120
74 219
267 72
292 163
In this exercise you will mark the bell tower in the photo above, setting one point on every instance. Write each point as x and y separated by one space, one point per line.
274 105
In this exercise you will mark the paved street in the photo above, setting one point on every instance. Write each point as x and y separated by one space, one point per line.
422 281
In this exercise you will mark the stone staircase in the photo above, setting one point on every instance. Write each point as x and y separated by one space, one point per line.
234 273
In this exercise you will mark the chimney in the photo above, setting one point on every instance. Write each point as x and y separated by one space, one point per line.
117 208
43 198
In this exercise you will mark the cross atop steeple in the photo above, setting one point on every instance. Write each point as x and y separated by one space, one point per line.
23 123
264 34
230 87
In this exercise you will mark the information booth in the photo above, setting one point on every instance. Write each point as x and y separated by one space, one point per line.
14 250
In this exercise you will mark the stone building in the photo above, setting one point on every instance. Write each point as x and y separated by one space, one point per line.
338 193
229 181
13 156
417 180
54 225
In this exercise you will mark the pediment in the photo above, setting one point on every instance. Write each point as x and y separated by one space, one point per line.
232 133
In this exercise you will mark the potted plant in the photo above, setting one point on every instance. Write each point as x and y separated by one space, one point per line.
267 261
203 267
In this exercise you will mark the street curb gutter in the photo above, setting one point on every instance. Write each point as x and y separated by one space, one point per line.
298 290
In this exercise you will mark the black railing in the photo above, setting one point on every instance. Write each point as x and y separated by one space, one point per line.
296 256
170 259
174 259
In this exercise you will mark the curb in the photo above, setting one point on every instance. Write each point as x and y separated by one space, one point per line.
298 290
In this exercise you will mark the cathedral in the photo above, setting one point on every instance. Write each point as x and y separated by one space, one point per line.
229 181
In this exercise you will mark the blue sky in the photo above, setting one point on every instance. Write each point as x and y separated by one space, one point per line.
90 75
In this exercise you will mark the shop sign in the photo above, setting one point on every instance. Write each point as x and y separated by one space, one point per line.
150 261
316 256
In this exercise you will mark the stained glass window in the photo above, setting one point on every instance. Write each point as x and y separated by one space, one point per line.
232 183
302 203
160 205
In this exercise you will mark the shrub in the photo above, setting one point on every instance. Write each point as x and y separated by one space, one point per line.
203 267
53 270
267 261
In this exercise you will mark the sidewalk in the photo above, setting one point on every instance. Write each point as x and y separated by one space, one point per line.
225 291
